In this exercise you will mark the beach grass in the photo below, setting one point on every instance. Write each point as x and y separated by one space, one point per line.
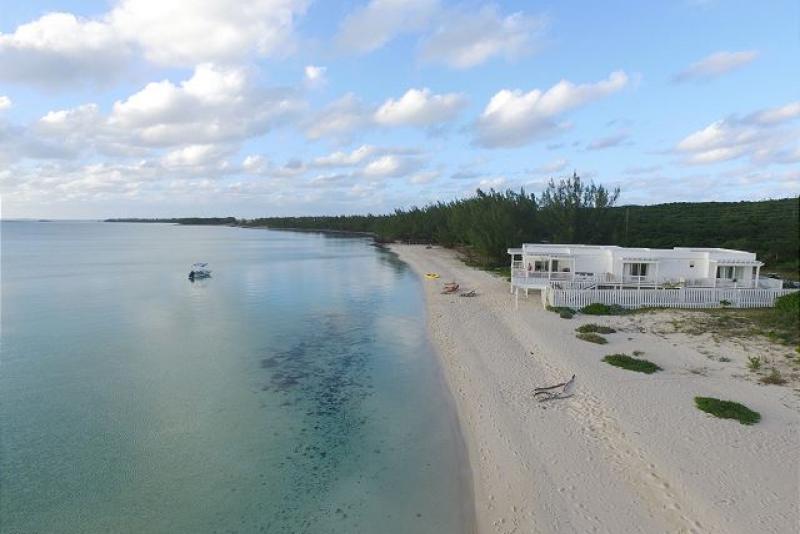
598 308
591 337
632 364
774 377
596 328
780 324
727 410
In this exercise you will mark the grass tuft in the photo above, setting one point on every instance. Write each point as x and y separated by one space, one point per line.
599 329
774 377
727 410
632 364
754 363
591 337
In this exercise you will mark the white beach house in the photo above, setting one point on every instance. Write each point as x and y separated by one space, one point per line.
610 271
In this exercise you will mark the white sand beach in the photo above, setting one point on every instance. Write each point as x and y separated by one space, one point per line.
629 452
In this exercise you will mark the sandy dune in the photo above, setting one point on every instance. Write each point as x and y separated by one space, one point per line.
629 452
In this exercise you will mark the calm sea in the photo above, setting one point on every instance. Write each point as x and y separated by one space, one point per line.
294 391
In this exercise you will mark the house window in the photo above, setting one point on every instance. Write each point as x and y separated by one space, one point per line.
725 272
638 269
539 266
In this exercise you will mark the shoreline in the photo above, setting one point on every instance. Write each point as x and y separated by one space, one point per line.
627 453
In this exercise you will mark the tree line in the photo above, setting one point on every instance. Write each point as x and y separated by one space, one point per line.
571 210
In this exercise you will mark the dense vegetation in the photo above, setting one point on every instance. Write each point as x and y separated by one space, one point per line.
568 211
571 211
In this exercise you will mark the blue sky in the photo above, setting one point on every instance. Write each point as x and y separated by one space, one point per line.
284 107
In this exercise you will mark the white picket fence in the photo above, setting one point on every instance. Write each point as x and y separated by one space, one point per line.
664 298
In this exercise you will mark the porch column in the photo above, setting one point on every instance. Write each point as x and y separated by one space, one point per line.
758 272
549 267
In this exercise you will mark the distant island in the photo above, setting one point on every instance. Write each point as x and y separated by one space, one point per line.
218 221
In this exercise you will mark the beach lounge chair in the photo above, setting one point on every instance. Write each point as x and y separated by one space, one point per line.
548 393
448 289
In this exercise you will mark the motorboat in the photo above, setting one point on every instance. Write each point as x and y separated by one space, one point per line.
199 271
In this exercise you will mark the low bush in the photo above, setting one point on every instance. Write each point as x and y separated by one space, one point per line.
774 377
591 337
599 329
632 364
727 410
563 312
604 309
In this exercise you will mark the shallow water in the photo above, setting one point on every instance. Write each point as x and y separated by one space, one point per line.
294 391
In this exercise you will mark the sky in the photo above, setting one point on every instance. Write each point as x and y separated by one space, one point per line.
170 108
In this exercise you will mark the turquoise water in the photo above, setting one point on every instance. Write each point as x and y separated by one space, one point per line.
294 391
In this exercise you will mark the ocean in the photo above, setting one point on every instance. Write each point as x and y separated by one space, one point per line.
294 391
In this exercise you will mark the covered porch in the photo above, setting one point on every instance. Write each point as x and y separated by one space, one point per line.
737 273
536 271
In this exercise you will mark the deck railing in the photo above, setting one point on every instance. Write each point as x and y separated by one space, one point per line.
568 280
665 298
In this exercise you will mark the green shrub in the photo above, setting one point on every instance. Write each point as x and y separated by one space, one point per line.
727 410
774 377
632 364
604 309
599 329
787 309
754 362
591 337
563 312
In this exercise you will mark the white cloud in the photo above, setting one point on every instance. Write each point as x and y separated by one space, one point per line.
5 102
175 32
759 136
419 107
424 177
254 164
514 118
608 141
465 39
215 105
391 165
339 119
492 183
257 164
60 48
373 25
775 115
554 166
715 65
315 76
344 159
193 156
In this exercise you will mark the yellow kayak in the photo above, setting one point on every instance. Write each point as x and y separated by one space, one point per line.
431 276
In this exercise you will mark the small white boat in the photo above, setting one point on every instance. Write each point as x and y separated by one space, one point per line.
199 270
